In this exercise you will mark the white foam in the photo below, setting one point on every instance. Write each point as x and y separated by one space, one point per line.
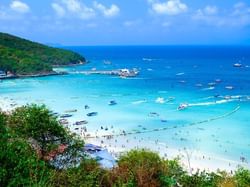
179 74
160 100
139 102
212 103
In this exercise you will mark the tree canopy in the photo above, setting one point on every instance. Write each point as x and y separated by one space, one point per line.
24 57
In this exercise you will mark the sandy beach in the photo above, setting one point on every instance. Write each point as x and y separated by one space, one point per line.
7 104
192 160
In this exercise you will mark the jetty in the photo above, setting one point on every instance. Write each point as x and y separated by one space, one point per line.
119 72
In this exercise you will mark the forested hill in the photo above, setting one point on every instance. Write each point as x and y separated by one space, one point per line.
24 57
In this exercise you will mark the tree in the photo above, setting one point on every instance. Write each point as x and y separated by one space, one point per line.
19 164
42 130
140 168
242 177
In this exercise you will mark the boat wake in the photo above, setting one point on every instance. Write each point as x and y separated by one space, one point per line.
139 102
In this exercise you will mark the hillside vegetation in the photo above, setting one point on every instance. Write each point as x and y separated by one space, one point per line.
24 57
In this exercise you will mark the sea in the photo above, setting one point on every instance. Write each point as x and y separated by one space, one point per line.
216 95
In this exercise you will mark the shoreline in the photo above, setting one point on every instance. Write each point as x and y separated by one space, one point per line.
33 75
43 74
190 159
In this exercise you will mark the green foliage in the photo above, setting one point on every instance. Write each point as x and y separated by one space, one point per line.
88 174
19 164
137 168
24 57
242 177
35 123
42 130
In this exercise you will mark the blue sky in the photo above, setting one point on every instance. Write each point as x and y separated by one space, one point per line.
128 22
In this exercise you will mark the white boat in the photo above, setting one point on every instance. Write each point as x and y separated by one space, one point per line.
237 65
182 106
211 84
229 87
107 62
199 85
218 80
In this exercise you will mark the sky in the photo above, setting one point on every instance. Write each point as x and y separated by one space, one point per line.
128 22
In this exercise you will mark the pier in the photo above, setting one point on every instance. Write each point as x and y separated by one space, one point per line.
119 72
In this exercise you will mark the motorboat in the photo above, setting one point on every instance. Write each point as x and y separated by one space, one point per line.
227 97
229 87
83 122
107 62
170 99
199 85
237 65
66 116
218 80
63 121
71 111
86 107
182 106
92 114
153 114
111 103
211 84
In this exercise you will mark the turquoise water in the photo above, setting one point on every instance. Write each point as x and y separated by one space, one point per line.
164 72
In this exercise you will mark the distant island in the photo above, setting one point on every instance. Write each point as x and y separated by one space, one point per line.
20 57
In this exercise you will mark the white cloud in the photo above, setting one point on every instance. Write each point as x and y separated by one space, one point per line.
58 9
211 10
73 8
19 6
208 11
171 7
73 5
107 12
241 9
238 16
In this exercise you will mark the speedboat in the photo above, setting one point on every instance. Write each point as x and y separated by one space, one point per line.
229 87
86 107
199 85
92 114
64 121
227 97
112 103
237 65
71 111
170 99
66 116
153 114
218 80
107 62
211 84
83 122
182 106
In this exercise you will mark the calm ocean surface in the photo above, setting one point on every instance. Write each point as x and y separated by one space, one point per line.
164 72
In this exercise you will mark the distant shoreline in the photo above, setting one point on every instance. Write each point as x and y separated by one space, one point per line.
43 74
53 73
